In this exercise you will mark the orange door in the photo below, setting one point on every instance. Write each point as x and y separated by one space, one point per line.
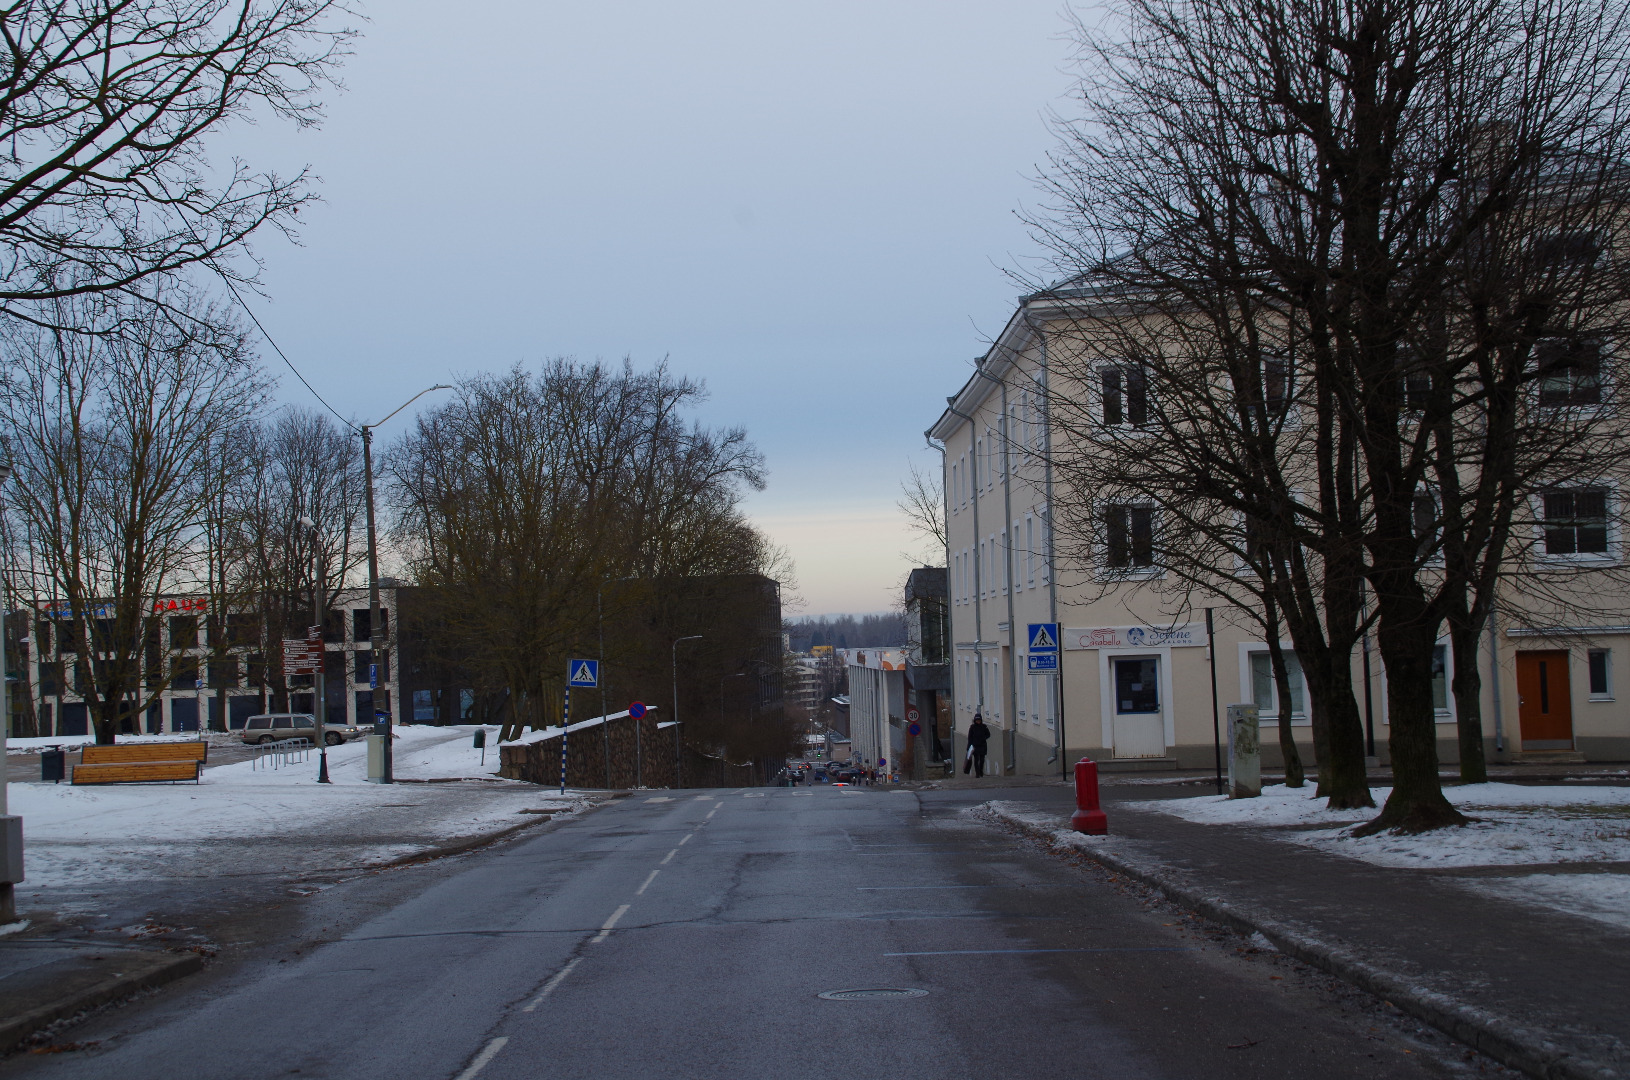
1544 703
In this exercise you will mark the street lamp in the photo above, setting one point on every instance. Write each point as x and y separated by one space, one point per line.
319 706
376 639
679 758
11 828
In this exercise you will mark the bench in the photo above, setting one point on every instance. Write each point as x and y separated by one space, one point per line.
141 763
133 753
138 772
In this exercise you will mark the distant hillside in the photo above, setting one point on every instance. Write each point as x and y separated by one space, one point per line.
847 631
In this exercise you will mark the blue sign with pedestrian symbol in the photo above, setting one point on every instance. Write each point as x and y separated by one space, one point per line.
581 673
1044 637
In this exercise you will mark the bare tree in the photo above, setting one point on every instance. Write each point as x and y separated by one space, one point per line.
922 504
1372 198
113 435
103 110
534 505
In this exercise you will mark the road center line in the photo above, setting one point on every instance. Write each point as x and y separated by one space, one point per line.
684 840
605 930
668 856
482 1058
1011 952
640 891
549 987
711 812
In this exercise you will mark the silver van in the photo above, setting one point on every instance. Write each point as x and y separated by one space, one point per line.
275 727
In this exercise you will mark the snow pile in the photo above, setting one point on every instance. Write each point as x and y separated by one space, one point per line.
70 742
1515 825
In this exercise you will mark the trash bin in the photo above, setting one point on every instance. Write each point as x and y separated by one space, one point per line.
54 764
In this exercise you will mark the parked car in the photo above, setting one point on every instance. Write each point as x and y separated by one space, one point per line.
274 727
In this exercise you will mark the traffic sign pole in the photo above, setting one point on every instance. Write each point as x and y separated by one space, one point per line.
565 731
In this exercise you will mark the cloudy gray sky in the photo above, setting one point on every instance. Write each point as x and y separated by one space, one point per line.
810 206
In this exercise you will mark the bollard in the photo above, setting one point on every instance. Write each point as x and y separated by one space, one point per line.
1088 818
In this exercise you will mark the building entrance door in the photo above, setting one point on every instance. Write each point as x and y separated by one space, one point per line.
1140 726
1544 701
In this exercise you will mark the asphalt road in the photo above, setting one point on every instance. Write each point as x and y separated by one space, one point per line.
689 934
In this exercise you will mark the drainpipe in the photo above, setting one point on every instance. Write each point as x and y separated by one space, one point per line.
950 646
1494 678
1052 572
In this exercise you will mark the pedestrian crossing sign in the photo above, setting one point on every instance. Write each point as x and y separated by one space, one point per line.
1043 637
580 673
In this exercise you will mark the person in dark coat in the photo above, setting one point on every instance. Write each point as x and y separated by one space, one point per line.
978 737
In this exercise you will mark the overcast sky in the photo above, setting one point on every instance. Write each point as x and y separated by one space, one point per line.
809 206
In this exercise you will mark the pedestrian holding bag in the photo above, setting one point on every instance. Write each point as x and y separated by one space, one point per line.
967 762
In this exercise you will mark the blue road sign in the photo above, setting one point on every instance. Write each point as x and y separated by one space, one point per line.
637 709
1044 637
1043 662
581 673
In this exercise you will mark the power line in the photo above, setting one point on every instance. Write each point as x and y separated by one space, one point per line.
278 349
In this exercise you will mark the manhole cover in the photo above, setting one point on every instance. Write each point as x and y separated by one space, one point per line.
872 992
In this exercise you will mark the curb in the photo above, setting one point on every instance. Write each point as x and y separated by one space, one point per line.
1506 1041
145 971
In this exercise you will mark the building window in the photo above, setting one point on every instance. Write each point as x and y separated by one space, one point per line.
424 706
1570 372
1601 674
183 631
1265 693
1030 551
1123 396
1575 522
1129 537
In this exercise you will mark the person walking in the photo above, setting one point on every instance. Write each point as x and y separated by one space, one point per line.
978 738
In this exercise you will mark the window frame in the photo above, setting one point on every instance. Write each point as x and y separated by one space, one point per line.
1604 355
1100 399
1607 557
1250 649
1606 692
1131 571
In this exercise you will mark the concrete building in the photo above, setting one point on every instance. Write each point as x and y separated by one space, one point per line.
218 688
1133 685
877 705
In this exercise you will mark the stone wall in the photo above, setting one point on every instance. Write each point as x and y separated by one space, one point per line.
649 762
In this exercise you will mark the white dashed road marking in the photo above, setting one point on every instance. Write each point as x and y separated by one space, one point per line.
482 1058
605 930
549 987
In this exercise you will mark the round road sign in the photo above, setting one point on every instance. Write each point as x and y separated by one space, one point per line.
636 709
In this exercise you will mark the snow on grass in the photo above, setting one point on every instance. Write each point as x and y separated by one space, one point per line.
1604 897
241 818
1515 825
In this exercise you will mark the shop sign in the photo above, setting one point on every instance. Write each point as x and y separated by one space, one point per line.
1189 635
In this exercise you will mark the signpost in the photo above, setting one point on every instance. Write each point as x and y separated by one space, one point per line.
306 658
580 673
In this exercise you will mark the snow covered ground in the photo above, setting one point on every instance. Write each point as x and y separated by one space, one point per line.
248 818
1514 825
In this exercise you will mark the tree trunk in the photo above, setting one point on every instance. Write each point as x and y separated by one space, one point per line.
1468 690
1417 803
1294 777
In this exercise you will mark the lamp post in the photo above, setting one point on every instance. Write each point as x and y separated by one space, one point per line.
11 828
319 707
679 759
376 638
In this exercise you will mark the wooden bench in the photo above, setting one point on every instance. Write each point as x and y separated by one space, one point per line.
141 772
141 763
134 753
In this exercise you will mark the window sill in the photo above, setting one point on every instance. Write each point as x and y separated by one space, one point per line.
1600 697
1111 576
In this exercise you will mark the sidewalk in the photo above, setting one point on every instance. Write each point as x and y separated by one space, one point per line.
1527 967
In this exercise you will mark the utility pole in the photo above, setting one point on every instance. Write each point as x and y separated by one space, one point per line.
679 757
376 636
11 828
319 707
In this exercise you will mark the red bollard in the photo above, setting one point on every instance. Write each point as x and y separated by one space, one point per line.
1087 817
